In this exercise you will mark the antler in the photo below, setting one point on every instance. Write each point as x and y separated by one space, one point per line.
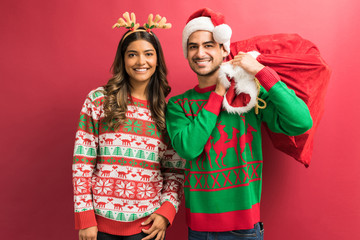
158 22
130 23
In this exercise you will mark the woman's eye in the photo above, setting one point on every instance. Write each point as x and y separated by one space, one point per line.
131 55
149 54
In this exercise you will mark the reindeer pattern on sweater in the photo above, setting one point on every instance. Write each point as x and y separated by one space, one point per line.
122 175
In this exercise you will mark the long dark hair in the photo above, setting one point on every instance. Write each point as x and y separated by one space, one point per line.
118 88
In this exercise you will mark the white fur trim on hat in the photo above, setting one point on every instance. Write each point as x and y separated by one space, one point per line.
221 33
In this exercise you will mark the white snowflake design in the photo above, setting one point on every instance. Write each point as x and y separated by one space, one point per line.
104 186
145 191
125 189
79 185
173 186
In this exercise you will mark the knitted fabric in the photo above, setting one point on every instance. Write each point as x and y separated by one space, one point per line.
223 172
302 68
121 177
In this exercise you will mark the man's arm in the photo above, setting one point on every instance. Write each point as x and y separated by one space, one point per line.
285 112
189 136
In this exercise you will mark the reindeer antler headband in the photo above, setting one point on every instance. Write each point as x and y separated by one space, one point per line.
130 23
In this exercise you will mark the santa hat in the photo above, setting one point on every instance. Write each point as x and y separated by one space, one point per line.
207 20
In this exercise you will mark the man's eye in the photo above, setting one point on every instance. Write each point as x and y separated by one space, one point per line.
192 47
208 45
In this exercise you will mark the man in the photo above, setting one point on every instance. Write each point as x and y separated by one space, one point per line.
223 153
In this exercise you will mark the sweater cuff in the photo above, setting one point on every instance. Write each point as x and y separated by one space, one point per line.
167 210
85 219
267 78
214 103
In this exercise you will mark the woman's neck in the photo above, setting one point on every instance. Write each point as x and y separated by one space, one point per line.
138 91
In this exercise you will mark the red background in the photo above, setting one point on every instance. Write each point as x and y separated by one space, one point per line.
52 53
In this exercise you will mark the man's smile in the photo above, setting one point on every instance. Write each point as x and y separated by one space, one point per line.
202 61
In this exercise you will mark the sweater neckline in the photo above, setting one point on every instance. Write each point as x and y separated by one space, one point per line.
138 100
205 89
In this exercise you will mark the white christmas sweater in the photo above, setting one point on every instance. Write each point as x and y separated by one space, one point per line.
121 177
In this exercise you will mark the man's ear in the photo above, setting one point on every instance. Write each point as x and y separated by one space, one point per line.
223 51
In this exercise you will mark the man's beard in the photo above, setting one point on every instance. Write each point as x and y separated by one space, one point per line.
207 74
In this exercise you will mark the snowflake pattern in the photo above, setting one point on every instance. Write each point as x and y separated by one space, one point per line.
145 191
80 185
103 186
125 189
99 190
173 186
158 186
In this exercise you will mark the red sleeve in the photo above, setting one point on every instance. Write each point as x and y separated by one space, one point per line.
168 211
214 103
267 78
85 219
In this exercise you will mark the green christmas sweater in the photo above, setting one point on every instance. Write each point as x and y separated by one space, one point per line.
121 177
223 172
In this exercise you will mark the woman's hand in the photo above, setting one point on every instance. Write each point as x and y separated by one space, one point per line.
158 227
88 233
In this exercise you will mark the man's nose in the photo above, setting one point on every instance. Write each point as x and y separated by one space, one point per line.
200 52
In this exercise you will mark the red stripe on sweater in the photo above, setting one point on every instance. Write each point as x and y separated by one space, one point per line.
130 228
222 222
205 89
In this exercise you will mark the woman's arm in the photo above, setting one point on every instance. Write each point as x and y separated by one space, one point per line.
84 162
172 170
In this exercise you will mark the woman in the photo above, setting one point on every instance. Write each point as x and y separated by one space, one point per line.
127 178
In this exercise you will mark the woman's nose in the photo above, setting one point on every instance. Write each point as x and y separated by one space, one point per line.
141 60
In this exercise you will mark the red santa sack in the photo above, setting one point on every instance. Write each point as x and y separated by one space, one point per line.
301 68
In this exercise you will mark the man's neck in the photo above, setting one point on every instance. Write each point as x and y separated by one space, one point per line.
207 81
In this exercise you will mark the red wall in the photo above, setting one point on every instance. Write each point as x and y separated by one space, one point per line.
52 53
